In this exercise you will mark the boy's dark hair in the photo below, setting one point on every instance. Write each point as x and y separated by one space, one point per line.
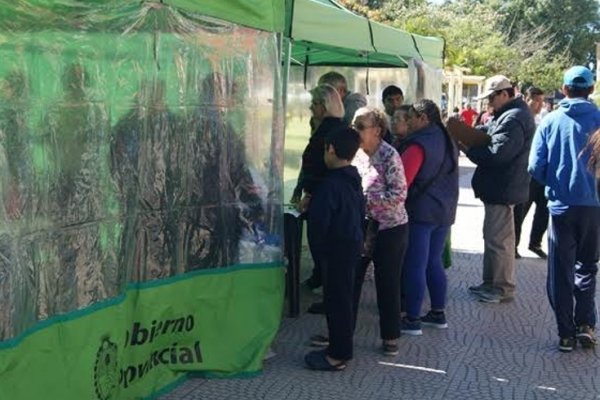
345 142
391 90
576 92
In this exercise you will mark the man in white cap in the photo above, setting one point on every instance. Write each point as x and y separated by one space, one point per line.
559 160
501 181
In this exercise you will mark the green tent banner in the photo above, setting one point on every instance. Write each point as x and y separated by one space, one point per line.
135 345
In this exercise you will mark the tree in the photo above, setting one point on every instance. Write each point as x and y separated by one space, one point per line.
486 36
573 24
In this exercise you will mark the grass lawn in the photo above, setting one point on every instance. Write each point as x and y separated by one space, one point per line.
297 133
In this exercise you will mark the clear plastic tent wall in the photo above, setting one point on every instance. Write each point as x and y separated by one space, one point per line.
140 198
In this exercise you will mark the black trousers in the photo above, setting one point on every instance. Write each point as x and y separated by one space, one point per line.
574 250
540 217
316 276
339 271
388 258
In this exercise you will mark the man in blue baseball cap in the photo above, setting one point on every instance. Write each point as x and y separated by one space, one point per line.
558 159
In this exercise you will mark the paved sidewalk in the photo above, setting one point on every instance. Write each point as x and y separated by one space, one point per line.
489 351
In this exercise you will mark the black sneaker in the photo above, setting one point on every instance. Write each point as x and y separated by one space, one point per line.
411 327
390 348
319 341
316 308
493 297
538 252
479 288
586 337
312 283
566 344
435 320
317 360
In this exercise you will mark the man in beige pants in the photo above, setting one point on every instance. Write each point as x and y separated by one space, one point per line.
501 181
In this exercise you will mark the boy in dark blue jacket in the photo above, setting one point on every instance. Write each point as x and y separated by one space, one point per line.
336 213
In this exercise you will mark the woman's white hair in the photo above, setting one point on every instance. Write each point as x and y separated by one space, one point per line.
330 98
376 116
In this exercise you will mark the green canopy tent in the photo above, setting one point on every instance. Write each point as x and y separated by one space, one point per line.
122 127
323 33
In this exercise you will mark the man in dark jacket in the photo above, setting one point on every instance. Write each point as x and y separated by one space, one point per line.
501 181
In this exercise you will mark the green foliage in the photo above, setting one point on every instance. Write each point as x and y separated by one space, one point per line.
527 40
573 24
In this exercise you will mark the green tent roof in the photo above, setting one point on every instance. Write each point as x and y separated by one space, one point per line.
325 33
268 15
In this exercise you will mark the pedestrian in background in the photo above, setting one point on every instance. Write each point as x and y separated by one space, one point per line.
534 97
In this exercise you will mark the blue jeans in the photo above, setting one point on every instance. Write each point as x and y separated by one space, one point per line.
423 266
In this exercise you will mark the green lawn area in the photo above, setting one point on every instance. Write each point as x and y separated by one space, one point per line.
297 133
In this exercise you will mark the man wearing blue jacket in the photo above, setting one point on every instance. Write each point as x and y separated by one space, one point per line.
558 159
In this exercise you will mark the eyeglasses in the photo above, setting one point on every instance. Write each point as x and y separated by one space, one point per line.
359 126
491 97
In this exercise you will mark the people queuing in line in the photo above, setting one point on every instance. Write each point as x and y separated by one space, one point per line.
411 195
501 181
327 112
336 214
385 189
430 159
399 125
392 98
534 97
352 100
559 159
485 116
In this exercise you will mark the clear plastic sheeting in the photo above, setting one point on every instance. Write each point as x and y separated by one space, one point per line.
137 143
428 81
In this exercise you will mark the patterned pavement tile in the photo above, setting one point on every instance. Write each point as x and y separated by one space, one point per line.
490 351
